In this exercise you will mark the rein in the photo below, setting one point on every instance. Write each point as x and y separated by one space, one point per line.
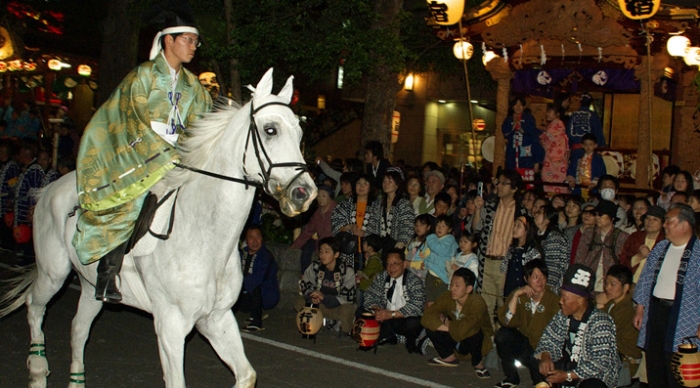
257 147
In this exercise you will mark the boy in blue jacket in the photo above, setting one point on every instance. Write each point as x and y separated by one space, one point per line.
442 246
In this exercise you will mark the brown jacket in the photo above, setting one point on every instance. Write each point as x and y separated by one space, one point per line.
623 313
474 317
530 325
590 248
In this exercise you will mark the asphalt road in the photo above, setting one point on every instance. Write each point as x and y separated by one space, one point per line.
122 352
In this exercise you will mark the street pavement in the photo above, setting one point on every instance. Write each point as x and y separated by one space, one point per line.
122 352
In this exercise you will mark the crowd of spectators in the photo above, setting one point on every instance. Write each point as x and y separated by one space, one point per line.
548 277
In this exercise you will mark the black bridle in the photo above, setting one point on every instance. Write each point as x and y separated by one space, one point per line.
254 137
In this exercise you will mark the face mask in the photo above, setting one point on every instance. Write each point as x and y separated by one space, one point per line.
607 194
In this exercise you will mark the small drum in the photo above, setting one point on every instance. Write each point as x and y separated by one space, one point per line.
366 331
309 321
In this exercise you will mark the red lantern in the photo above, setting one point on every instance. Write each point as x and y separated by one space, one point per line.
685 365
22 234
366 331
9 219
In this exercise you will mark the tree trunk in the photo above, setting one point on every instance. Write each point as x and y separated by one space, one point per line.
383 82
234 75
119 47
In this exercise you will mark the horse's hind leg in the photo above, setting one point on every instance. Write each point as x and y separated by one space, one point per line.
221 329
88 308
50 279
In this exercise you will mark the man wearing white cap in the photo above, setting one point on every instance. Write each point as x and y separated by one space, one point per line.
130 144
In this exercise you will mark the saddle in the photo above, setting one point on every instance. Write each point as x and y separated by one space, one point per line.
155 223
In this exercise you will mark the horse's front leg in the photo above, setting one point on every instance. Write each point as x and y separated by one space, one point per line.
221 329
171 329
88 308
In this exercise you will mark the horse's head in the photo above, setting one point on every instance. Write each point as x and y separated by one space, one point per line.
272 148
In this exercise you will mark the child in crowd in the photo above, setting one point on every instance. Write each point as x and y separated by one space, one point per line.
371 247
458 324
523 249
443 201
417 250
618 291
466 258
330 284
442 247
586 166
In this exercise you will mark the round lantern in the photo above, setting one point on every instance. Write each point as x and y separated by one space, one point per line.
446 12
309 321
463 50
685 365
677 45
9 219
692 56
366 331
22 234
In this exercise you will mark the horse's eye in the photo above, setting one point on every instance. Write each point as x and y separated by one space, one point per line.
270 130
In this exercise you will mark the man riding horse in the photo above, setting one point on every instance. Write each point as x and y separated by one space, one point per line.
129 145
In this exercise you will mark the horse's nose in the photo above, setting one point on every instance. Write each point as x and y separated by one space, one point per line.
300 194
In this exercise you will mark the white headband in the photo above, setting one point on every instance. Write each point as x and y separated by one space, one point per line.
155 48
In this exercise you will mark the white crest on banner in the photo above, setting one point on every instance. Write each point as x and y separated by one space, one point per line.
543 78
600 78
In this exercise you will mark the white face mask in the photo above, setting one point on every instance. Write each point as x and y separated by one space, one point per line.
607 194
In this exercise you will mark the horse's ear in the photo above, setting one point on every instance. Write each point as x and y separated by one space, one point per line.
288 90
264 87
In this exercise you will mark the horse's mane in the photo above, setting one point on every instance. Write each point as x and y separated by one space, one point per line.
199 140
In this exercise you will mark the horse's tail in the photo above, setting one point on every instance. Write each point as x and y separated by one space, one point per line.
19 286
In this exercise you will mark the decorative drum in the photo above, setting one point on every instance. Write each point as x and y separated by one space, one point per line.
309 321
366 331
685 364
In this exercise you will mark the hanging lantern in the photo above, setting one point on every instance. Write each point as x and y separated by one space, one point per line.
685 365
446 12
408 82
488 56
54 64
639 9
29 66
309 321
692 56
22 234
15 65
6 47
677 45
463 50
3 66
84 70
366 331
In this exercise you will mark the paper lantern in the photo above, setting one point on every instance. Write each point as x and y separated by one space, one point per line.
22 234
29 66
677 45
54 64
15 65
446 12
6 47
366 331
639 9
685 365
488 56
309 321
463 50
692 56
84 70
3 67
408 83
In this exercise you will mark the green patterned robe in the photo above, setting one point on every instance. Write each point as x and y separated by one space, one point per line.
121 157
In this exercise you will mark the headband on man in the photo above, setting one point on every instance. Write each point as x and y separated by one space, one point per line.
156 47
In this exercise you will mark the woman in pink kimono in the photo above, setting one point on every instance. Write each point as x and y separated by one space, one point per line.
556 147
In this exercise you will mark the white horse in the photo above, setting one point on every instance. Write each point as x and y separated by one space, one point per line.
193 278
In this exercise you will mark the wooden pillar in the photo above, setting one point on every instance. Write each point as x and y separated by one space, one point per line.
647 76
500 71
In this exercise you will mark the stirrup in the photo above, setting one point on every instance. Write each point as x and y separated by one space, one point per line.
112 292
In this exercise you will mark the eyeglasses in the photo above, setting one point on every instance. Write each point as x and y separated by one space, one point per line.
189 40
